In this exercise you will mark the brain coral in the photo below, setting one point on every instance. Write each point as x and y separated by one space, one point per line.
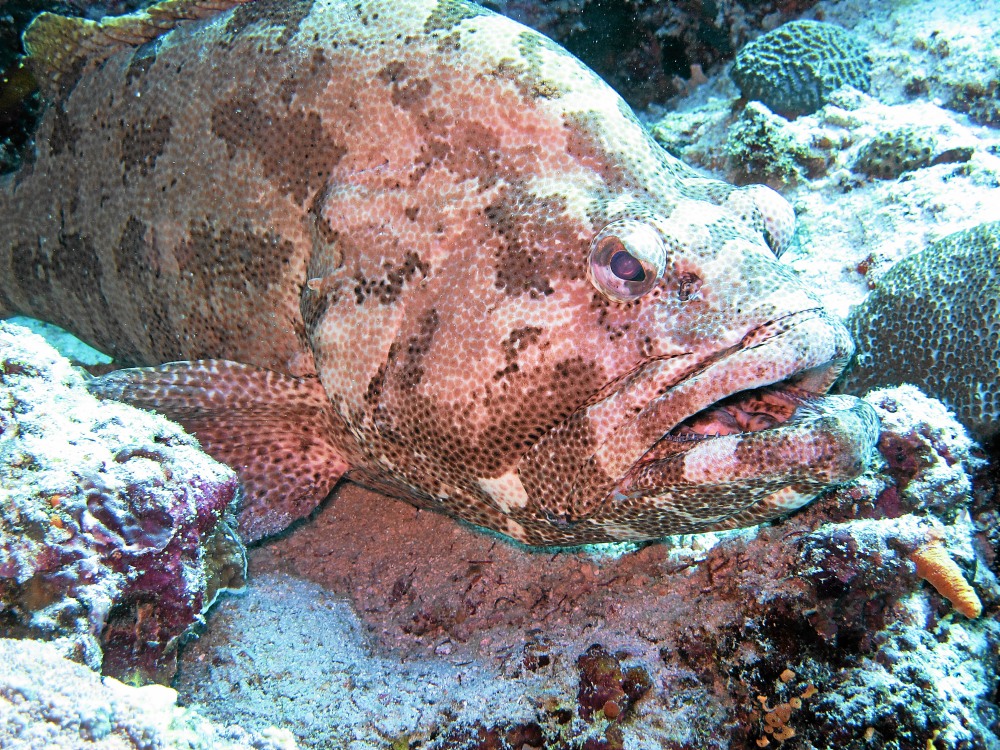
795 67
115 529
934 320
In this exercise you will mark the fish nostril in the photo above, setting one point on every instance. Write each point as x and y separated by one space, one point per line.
689 285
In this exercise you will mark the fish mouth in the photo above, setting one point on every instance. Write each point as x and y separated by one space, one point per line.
751 410
755 415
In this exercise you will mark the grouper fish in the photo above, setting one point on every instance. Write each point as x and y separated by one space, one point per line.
416 244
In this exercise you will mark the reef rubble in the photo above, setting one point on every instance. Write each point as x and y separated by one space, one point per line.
48 702
115 529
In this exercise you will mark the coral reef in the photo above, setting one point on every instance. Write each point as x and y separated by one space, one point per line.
650 51
934 320
891 153
48 701
470 642
115 536
794 69
761 149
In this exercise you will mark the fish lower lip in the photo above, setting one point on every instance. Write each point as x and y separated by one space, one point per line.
825 441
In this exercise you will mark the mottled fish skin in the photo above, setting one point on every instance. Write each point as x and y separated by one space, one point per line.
400 199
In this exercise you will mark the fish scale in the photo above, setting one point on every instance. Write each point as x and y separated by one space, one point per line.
381 240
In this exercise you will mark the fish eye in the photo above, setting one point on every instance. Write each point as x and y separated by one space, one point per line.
626 259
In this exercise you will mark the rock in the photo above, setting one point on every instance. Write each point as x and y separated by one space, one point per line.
115 535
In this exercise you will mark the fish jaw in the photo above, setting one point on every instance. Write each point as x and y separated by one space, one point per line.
724 440
758 475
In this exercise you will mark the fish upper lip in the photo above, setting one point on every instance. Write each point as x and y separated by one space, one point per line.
805 376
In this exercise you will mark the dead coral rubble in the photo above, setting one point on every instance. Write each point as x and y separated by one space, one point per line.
50 702
114 528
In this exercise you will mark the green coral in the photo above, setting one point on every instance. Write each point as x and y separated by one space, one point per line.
892 153
794 68
933 320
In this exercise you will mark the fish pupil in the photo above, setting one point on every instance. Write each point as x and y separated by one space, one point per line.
627 267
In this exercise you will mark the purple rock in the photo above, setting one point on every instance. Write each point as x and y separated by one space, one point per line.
115 533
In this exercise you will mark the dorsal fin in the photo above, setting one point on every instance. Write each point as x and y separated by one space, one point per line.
61 48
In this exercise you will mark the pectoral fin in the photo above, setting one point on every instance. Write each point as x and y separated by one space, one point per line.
272 429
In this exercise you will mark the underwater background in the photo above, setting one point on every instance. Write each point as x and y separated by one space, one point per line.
866 620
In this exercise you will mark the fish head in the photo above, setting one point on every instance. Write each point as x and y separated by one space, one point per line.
648 368
710 413
541 322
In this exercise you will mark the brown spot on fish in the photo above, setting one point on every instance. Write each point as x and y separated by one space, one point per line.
375 386
470 152
585 144
411 93
75 263
527 228
392 72
450 13
529 75
319 295
537 410
136 261
230 257
476 152
450 42
286 15
302 165
30 268
516 341
228 271
64 133
388 288
314 72
132 255
410 371
142 143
